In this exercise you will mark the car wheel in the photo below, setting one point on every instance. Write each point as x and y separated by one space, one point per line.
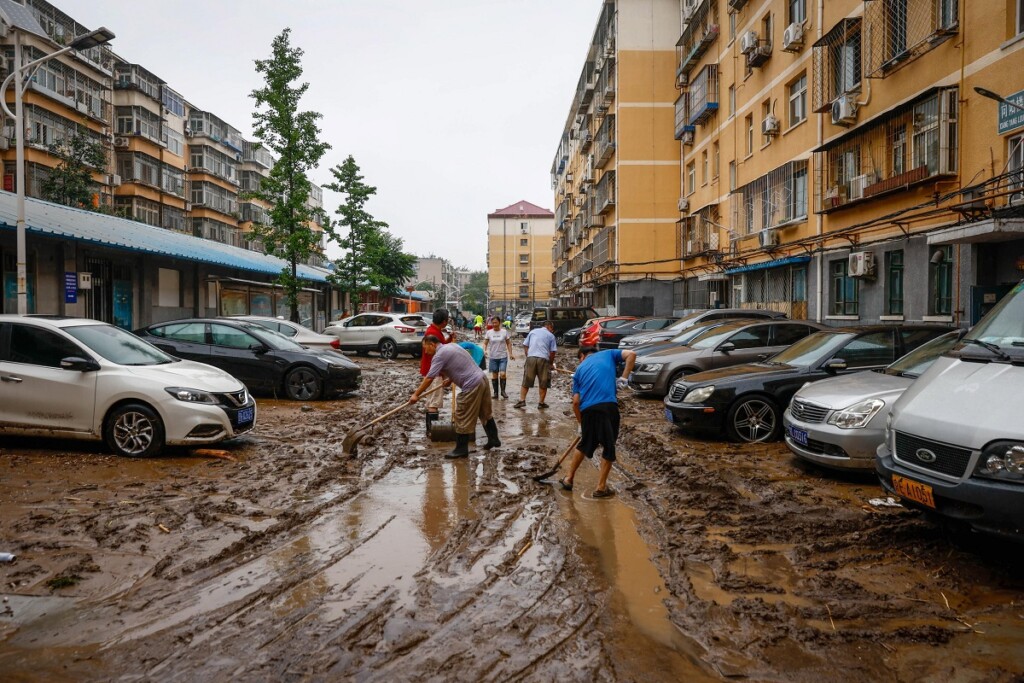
302 384
388 349
676 376
754 419
134 430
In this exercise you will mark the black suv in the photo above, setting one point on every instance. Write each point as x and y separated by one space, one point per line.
564 318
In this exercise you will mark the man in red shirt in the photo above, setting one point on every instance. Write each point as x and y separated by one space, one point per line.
436 329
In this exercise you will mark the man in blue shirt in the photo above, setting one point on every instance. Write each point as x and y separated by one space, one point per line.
597 410
540 361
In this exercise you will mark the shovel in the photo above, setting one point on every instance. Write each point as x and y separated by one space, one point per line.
570 449
351 442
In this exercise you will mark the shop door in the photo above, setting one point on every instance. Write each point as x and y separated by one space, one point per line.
111 298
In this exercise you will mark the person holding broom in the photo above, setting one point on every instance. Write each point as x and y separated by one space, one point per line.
454 365
596 407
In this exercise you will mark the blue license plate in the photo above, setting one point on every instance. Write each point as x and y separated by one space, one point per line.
798 435
246 415
419 334
669 416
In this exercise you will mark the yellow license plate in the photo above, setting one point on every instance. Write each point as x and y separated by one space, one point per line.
915 491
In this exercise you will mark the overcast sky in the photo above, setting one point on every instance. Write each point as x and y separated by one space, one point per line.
451 108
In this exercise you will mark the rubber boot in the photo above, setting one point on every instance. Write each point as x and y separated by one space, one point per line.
461 449
503 394
430 419
491 429
494 385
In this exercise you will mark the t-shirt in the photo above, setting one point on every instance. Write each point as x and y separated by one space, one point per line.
540 343
475 350
436 331
455 363
496 347
479 321
594 379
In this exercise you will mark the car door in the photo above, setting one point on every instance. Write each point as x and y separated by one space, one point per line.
868 351
184 339
34 391
749 344
786 334
232 350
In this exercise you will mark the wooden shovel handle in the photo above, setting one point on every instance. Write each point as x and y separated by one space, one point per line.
395 410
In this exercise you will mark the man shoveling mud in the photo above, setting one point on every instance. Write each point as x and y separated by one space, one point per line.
437 329
454 364
597 410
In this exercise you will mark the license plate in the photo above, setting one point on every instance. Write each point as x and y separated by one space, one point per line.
798 435
913 490
246 415
669 416
419 334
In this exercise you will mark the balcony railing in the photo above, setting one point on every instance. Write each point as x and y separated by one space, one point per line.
702 100
699 33
777 198
604 246
900 32
699 233
605 143
604 193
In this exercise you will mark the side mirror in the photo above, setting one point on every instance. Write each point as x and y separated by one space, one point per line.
726 347
259 348
79 364
763 356
835 365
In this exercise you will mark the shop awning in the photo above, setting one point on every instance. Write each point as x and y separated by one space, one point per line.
763 265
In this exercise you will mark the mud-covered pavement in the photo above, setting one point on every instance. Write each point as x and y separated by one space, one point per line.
286 560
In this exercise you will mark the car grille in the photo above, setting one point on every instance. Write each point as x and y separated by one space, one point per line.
678 391
949 460
235 399
822 448
808 412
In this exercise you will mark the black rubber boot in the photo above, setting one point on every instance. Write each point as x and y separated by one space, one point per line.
503 394
494 385
461 449
491 429
430 419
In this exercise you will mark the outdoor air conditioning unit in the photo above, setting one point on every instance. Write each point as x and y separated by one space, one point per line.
188 129
684 204
857 185
579 200
188 206
861 264
687 137
770 125
768 238
121 142
844 110
793 37
748 42
114 180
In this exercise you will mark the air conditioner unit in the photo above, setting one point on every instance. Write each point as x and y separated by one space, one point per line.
121 141
687 137
580 201
770 125
684 204
748 42
844 110
114 180
188 129
188 206
793 37
857 185
568 177
688 7
768 238
861 264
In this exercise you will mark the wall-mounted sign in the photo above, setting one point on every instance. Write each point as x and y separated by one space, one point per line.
70 288
85 280
1011 118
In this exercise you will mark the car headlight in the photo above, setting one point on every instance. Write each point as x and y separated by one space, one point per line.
699 395
650 367
191 395
858 415
1002 460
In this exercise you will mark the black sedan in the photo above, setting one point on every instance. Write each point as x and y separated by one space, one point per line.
747 401
263 360
572 337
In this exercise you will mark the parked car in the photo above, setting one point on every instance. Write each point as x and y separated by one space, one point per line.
729 344
389 334
84 379
746 401
840 422
955 444
563 318
264 361
572 337
687 336
693 319
299 334
610 338
595 329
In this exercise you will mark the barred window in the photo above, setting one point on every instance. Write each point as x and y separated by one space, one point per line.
837 63
844 289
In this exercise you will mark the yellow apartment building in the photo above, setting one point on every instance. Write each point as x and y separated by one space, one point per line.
616 171
519 266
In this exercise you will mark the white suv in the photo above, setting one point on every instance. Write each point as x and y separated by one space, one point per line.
386 333
84 379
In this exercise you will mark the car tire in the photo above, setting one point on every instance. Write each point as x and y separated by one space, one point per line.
388 349
134 430
754 419
676 376
303 384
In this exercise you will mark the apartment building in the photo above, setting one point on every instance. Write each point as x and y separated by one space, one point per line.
838 163
617 167
519 267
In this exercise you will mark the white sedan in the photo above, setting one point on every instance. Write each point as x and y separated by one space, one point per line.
300 334
84 379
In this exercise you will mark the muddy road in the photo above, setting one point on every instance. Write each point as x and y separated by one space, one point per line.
285 560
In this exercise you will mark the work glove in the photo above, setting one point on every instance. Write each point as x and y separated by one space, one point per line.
621 383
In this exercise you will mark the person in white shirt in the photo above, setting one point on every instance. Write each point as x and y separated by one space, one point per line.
498 349
540 361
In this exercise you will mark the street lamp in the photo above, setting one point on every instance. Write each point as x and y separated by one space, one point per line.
984 92
92 39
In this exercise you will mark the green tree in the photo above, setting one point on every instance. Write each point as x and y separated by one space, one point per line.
474 294
293 137
390 266
70 182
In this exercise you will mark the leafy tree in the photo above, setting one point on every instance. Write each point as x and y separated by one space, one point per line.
474 294
70 182
293 138
390 267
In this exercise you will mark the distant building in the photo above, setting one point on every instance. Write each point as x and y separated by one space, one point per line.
519 270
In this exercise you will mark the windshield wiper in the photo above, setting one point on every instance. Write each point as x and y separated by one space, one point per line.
993 348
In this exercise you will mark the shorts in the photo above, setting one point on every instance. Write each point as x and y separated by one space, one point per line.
497 364
472 405
539 369
600 427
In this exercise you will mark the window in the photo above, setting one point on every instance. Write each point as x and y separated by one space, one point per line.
894 282
732 175
34 346
704 167
844 289
797 11
940 281
691 179
524 292
837 63
750 134
715 159
766 111
524 259
846 67
524 227
1015 161
752 338
797 193
524 242
926 135
524 275
732 96
896 28
798 100
732 26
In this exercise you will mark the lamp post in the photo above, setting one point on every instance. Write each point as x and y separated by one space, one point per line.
20 75
984 92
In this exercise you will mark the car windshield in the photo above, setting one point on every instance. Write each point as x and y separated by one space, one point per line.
713 337
118 346
1004 324
918 360
698 330
274 340
811 349
615 323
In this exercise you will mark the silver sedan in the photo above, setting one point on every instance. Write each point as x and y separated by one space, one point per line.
299 334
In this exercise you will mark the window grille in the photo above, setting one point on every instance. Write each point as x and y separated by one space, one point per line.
603 246
776 198
899 31
702 101
699 232
605 142
604 193
837 63
699 33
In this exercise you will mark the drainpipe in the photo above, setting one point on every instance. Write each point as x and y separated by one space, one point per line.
819 298
958 311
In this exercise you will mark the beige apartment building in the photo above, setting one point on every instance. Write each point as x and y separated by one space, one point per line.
616 170
519 269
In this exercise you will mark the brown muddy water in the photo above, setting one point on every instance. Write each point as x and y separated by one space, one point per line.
290 561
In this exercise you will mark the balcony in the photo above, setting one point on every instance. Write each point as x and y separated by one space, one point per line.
699 233
605 143
702 100
604 193
907 30
604 247
699 33
776 199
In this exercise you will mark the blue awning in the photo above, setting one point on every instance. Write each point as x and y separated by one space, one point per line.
763 265
56 220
